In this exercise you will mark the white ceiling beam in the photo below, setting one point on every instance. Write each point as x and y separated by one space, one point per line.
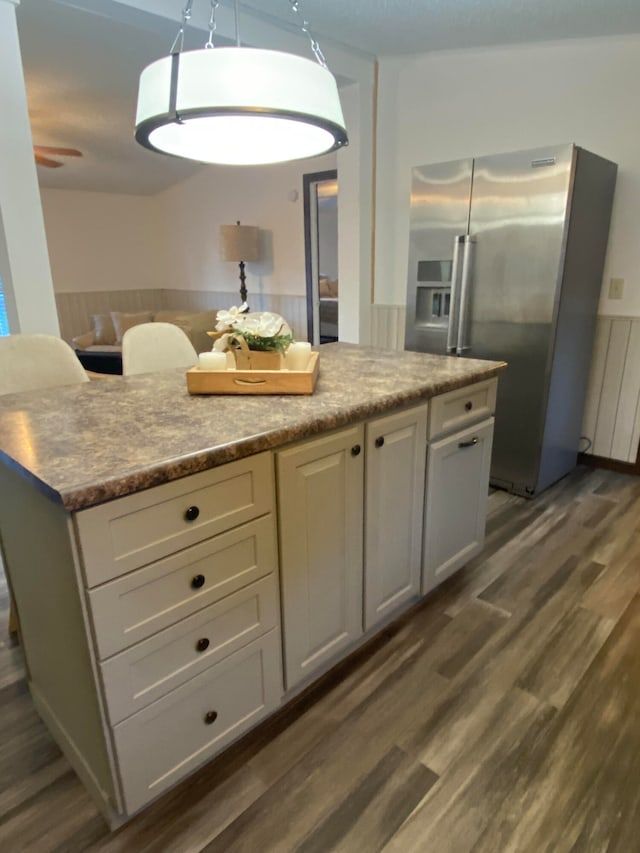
24 258
348 66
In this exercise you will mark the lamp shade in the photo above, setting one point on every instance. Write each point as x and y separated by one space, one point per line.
239 106
239 242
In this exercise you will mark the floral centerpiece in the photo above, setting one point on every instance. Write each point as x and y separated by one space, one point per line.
258 341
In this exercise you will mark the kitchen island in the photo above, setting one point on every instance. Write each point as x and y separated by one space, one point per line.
171 555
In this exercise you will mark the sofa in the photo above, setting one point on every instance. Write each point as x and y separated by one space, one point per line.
100 348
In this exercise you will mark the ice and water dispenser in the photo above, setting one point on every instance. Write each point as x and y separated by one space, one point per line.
429 305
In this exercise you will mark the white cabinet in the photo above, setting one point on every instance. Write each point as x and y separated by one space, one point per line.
161 609
320 508
182 593
169 738
456 501
457 409
394 497
133 531
350 524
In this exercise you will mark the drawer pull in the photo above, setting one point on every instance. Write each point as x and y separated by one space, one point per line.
191 513
468 406
202 645
198 581
471 443
379 441
210 717
355 450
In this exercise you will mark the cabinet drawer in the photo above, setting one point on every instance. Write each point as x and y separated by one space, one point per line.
149 670
168 739
458 409
131 608
124 534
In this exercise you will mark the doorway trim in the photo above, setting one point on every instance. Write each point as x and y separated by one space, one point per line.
307 181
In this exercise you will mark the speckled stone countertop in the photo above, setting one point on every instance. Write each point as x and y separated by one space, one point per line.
89 443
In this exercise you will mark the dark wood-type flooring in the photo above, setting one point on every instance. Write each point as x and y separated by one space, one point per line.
501 715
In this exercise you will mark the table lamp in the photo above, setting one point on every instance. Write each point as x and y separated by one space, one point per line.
240 243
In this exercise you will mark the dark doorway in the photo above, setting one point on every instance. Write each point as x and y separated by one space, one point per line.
321 255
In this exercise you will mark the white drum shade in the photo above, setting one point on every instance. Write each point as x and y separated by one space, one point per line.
238 106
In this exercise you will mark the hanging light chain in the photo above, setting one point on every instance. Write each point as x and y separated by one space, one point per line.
178 42
315 47
212 23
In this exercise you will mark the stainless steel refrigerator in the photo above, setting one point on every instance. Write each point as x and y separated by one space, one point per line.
505 262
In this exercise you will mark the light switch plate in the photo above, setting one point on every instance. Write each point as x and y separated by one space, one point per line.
616 288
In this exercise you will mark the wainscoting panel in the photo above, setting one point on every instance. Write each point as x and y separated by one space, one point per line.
75 309
611 387
594 385
387 326
611 419
292 308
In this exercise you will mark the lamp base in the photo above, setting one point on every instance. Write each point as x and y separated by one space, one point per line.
243 287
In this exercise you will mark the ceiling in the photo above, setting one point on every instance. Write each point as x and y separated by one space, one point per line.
81 74
389 27
82 69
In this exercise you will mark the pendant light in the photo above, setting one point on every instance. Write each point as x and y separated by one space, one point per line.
239 105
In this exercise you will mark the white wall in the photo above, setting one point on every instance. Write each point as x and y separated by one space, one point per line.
107 241
24 265
193 211
444 106
104 241
355 205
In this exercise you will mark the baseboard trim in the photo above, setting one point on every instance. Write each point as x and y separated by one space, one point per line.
609 464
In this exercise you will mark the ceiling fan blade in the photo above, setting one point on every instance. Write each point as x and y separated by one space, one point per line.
51 149
46 161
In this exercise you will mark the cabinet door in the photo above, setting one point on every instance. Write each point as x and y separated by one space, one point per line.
320 500
456 501
394 497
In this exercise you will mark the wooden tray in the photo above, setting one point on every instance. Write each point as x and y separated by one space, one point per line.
254 381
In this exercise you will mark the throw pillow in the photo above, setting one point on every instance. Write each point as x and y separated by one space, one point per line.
103 331
195 323
323 288
122 322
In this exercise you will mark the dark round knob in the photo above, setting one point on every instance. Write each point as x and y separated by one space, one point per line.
355 450
379 441
197 581
468 406
191 513
210 717
202 645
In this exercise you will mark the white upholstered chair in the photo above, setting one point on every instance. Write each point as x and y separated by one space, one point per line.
30 363
150 347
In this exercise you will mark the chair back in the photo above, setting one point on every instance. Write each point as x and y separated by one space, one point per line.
150 347
32 362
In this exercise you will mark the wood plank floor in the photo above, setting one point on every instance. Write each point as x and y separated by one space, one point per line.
501 715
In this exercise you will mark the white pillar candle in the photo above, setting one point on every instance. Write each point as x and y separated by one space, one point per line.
212 361
298 355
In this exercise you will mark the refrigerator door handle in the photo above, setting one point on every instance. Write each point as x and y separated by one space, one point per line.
465 293
452 331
